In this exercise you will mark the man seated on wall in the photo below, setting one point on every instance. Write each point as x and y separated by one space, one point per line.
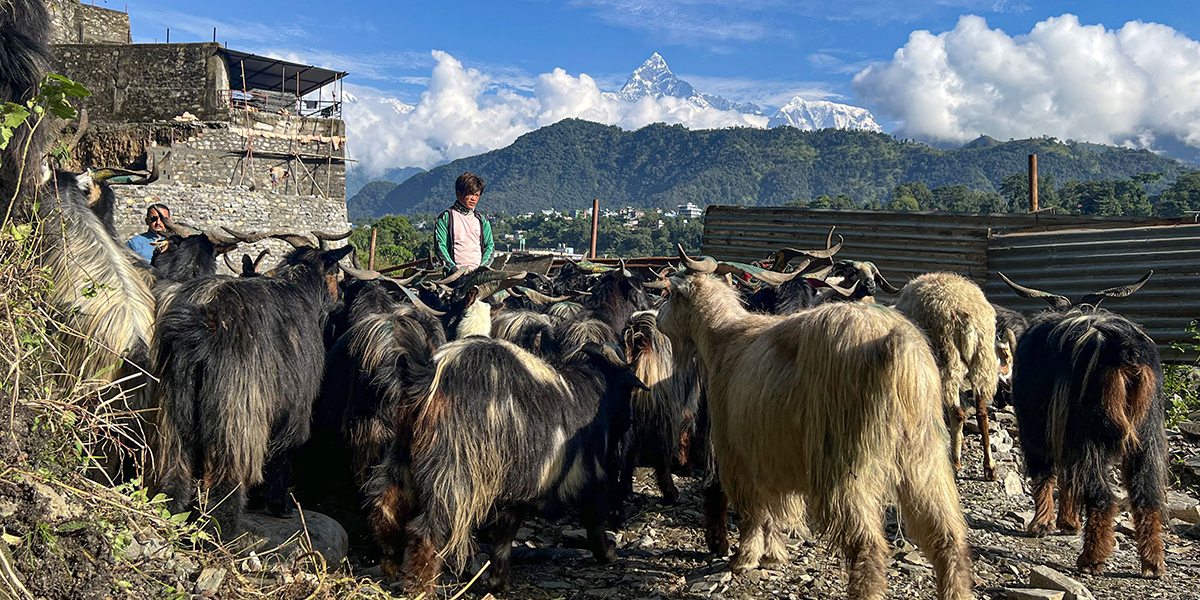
462 237
143 243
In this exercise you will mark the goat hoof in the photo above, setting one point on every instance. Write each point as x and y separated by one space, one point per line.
607 555
392 568
1089 567
740 563
1068 528
719 548
671 497
989 473
1153 571
1039 529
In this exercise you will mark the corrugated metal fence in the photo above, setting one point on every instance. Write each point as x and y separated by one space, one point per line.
1066 254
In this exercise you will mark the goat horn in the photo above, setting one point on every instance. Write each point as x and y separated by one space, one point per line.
217 238
539 298
363 274
1116 292
248 238
706 265
820 273
489 288
229 263
295 239
1054 300
455 276
182 231
845 292
661 284
881 282
261 256
769 277
331 237
354 260
412 296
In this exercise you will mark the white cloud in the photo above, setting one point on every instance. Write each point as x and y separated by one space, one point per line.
1130 86
462 113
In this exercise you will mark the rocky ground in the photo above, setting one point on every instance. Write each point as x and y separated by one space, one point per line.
663 555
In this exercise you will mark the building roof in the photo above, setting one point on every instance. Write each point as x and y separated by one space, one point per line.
263 73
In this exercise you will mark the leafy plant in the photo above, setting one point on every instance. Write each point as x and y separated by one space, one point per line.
1182 382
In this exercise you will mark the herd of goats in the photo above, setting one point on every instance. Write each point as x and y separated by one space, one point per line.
469 400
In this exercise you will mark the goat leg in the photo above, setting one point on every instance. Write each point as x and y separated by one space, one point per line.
1144 478
956 416
981 418
276 474
1098 539
662 472
1043 505
1068 509
594 515
716 524
504 531
424 566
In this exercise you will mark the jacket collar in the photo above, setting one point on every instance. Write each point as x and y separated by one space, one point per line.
460 209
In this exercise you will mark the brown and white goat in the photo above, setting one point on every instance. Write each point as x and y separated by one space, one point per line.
839 404
961 326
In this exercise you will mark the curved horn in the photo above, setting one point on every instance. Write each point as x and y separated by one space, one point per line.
539 298
844 292
249 238
881 282
1057 302
660 284
769 277
455 276
261 256
219 239
229 263
706 265
489 288
323 237
295 239
1116 292
412 296
182 231
363 274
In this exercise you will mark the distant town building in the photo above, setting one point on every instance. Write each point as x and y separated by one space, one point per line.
689 210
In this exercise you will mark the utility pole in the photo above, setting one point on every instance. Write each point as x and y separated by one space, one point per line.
1033 184
595 224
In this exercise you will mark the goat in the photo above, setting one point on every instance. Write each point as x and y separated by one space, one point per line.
1010 326
839 404
1087 389
506 434
870 280
240 362
24 60
961 326
188 253
659 414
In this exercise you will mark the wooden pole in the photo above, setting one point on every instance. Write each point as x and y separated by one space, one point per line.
595 224
371 256
168 35
214 35
1033 184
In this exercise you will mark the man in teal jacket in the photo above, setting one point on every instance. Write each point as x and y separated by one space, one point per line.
462 237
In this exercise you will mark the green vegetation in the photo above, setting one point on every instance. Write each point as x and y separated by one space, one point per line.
369 200
1181 385
565 165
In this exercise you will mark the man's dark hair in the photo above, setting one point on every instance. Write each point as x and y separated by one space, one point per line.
159 206
467 184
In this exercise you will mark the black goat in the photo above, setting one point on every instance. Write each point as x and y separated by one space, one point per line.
188 253
240 362
24 60
506 434
1087 389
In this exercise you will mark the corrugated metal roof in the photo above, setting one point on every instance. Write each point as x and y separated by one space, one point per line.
1077 262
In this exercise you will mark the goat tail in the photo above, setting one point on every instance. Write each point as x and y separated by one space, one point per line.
1126 394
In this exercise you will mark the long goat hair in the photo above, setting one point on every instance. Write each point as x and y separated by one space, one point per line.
1087 389
1010 326
499 432
240 362
839 404
961 325
24 60
661 414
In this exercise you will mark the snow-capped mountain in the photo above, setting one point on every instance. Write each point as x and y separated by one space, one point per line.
821 114
655 79
395 104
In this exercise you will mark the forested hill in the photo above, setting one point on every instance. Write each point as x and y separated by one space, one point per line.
563 166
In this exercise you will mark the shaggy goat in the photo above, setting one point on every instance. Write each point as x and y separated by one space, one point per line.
240 361
497 433
664 415
1087 389
961 326
840 404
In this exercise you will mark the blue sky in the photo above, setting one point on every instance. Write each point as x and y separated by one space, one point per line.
499 60
742 48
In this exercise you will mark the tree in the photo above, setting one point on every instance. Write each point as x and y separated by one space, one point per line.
917 191
1183 195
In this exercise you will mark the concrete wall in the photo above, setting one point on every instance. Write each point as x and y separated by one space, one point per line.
137 83
76 23
209 208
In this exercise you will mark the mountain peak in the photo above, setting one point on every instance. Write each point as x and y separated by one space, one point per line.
808 115
655 79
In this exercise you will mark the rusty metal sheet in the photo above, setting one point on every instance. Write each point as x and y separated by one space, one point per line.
1076 262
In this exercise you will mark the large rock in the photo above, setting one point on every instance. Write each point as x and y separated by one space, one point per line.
1183 507
328 536
1033 594
1045 577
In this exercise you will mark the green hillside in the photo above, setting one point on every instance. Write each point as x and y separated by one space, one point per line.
565 165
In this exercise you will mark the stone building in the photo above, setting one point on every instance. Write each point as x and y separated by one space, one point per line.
239 140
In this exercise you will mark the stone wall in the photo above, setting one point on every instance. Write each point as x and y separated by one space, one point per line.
137 83
76 23
209 208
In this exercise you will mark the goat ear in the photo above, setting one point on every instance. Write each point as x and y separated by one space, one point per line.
331 257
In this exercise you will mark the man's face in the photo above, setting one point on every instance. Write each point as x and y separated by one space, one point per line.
469 200
155 220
